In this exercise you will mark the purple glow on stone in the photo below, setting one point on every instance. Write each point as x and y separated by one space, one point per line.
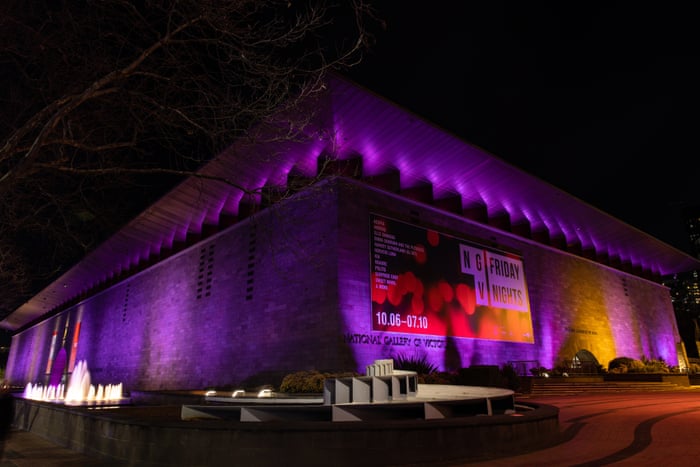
516 216
585 239
568 232
520 214
214 212
545 338
508 208
550 227
372 162
168 240
231 203
624 258
474 197
532 218
387 138
180 233
311 155
648 345
421 151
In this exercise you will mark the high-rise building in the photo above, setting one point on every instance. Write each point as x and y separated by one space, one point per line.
691 217
685 288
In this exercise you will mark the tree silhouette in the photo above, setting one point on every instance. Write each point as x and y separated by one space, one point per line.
106 104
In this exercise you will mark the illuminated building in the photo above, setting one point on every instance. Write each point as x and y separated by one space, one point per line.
375 235
685 289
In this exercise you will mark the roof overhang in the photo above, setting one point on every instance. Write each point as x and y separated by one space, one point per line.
354 123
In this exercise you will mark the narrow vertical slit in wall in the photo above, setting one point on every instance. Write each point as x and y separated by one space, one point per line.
210 271
205 273
251 263
126 302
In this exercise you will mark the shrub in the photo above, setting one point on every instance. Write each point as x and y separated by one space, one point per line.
619 364
539 371
636 366
632 365
437 377
420 365
511 380
303 381
655 365
310 381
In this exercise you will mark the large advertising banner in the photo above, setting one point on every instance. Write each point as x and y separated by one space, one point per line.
426 282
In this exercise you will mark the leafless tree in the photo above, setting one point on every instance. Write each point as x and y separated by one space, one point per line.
105 104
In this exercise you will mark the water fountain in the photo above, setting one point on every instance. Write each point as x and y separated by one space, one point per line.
80 391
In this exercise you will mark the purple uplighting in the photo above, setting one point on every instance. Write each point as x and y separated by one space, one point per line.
249 289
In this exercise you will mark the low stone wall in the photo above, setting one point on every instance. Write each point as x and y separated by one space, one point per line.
680 380
144 440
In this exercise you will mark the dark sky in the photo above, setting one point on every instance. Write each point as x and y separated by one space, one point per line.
599 100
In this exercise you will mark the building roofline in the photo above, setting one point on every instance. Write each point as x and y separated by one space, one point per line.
358 134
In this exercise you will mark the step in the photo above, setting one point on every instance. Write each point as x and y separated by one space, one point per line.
559 387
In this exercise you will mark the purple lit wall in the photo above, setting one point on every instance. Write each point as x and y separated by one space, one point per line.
249 304
576 304
289 289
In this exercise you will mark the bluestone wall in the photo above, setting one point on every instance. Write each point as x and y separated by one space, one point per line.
289 289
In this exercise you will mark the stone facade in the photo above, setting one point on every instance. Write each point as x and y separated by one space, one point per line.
288 289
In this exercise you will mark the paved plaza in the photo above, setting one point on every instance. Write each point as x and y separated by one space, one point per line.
628 429
620 429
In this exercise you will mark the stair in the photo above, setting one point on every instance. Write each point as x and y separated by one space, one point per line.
548 387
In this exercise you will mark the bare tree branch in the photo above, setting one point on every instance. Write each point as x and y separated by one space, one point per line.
106 104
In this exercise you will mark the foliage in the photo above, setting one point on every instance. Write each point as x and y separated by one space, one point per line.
437 377
619 364
511 379
655 365
539 371
569 367
636 366
107 104
309 381
633 365
420 365
427 373
303 382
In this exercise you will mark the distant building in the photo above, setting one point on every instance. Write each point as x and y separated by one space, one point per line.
691 216
372 234
685 289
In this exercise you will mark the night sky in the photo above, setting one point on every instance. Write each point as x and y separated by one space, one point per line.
600 100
